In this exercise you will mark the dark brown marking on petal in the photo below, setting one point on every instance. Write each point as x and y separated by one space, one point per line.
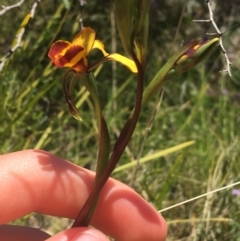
61 61
72 52
57 48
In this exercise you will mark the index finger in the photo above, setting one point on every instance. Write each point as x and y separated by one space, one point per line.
37 181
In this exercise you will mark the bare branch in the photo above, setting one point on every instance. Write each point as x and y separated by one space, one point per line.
82 3
17 43
7 8
219 34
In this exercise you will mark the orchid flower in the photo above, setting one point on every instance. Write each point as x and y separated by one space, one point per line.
74 55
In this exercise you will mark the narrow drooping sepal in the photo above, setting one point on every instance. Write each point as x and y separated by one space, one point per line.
68 96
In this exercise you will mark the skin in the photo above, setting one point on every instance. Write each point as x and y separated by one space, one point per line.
37 181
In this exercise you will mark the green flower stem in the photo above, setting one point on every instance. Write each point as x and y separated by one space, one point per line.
85 215
104 140
89 82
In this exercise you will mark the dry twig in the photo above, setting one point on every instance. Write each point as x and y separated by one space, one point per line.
20 33
219 34
7 8
82 3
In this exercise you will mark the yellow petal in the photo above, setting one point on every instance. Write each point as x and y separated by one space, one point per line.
99 45
85 39
123 60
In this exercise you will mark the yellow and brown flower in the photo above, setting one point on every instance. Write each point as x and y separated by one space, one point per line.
74 55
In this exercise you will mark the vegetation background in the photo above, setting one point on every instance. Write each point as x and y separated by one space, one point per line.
201 105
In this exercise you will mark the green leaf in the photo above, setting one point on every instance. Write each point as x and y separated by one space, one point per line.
123 15
141 9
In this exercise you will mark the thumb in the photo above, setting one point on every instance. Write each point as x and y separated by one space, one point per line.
79 234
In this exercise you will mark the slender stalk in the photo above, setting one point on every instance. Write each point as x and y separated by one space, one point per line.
104 142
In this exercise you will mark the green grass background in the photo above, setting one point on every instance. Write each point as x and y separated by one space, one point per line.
201 105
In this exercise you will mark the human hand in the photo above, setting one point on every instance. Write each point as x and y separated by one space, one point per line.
37 181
